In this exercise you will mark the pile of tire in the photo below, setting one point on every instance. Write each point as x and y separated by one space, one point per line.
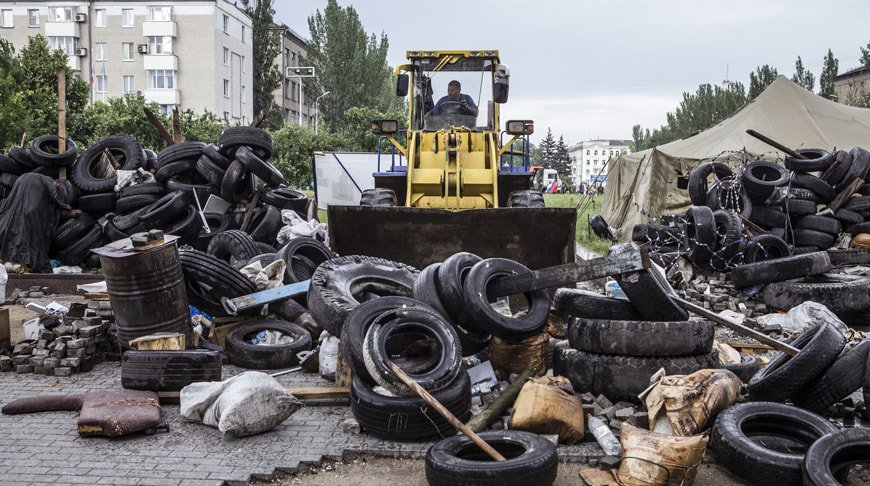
225 169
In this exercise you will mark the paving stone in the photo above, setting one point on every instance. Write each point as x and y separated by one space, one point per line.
76 344
90 331
70 362
28 368
62 371
5 363
76 353
609 462
22 349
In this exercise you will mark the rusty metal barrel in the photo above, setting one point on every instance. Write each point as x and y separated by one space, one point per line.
147 292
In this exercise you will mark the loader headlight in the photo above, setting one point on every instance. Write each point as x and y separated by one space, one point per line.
520 127
385 127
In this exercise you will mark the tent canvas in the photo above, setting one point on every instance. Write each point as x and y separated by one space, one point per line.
653 182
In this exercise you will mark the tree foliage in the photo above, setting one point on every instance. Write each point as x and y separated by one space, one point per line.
350 64
828 76
802 76
761 79
547 150
294 146
267 46
562 163
357 135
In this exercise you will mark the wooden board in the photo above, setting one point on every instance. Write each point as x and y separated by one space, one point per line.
320 392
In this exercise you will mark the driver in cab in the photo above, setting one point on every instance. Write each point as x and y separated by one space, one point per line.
455 102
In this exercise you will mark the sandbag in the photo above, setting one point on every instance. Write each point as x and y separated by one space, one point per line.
548 405
691 401
650 459
246 404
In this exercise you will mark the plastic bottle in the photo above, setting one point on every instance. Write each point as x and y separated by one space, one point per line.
603 435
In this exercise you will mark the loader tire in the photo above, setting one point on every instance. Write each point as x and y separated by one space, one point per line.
785 375
829 459
526 199
266 356
779 269
588 305
642 338
838 381
457 461
378 197
232 246
698 185
168 370
339 285
763 441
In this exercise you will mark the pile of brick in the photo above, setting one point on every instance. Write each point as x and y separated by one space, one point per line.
67 344
35 292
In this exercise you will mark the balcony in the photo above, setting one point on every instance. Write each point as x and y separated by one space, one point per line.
62 29
163 96
154 28
74 63
161 61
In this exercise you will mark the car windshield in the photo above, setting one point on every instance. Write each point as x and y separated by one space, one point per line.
431 82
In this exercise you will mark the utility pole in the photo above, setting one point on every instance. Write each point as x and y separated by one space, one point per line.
299 72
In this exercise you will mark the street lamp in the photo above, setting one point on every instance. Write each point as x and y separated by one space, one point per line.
299 72
317 113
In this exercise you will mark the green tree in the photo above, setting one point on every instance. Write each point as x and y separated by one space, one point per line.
637 137
802 76
828 76
547 150
761 79
865 55
350 64
562 163
294 145
357 135
267 47
12 124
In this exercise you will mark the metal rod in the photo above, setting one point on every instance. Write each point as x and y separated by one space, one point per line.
740 328
773 143
494 454
286 372
504 401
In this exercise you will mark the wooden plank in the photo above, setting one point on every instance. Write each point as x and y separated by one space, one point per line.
320 392
177 136
735 344
623 258
258 119
845 194
61 117
773 143
155 122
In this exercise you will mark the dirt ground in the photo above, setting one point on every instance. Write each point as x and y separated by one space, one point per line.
18 313
411 472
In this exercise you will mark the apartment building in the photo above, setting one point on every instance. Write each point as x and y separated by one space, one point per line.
190 54
853 85
291 95
588 158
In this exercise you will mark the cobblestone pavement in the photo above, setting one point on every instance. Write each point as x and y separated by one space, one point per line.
44 448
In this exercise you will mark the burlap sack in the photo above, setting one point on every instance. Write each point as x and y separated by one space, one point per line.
691 401
650 459
548 405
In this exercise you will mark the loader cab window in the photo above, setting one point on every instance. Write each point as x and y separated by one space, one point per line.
432 77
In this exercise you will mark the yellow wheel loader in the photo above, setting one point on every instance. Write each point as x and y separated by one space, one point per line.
460 189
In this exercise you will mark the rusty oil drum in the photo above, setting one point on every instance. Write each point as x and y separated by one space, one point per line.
147 292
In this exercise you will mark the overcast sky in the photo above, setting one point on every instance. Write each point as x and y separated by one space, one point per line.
593 69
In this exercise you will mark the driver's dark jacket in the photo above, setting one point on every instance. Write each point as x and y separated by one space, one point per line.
444 99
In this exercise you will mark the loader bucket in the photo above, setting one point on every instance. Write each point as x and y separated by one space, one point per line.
536 237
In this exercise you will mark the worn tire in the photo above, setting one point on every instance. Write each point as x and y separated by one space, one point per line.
820 188
82 173
760 178
266 356
700 234
730 195
739 434
285 198
210 170
805 237
187 227
457 461
311 249
642 338
768 217
208 279
426 289
838 381
828 459
839 294
698 185
259 140
452 276
339 285
746 369
128 204
780 269
168 370
165 210
232 246
822 224
799 207
816 160
217 224
144 188
729 239
259 167
526 199
588 305
785 375
656 235
854 256
43 151
184 151
79 250
765 247
236 184
212 151
599 226
650 297
264 224
71 229
378 197
98 203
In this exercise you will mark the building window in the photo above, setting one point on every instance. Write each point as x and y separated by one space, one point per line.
66 44
127 17
100 17
161 44
226 116
243 34
127 51
226 24
60 14
166 110
33 18
102 83
242 64
294 61
159 14
100 51
226 57
226 88
161 79
6 18
244 98
293 96
286 56
129 84
587 152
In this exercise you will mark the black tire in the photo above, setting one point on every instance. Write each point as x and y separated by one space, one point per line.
823 224
457 461
339 285
490 321
815 160
435 373
837 294
600 228
97 203
259 167
71 230
766 442
150 161
822 189
285 198
698 185
311 249
785 375
232 246
8 165
760 178
236 184
217 224
259 140
378 197
829 459
209 279
452 275
839 168
471 343
588 305
79 250
112 233
168 370
650 297
128 221
846 216
729 238
264 224
656 235
212 151
426 289
838 381
187 227
83 172
187 183
730 195
768 217
765 247
144 188
184 151
526 199
805 237
266 356
801 193
165 210
128 204
174 169
622 377
700 234
779 269
858 204
44 152
857 229
642 338
265 259
799 207
854 256
746 369
22 157
211 171
409 418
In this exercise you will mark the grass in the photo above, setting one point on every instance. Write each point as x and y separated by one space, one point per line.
585 236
